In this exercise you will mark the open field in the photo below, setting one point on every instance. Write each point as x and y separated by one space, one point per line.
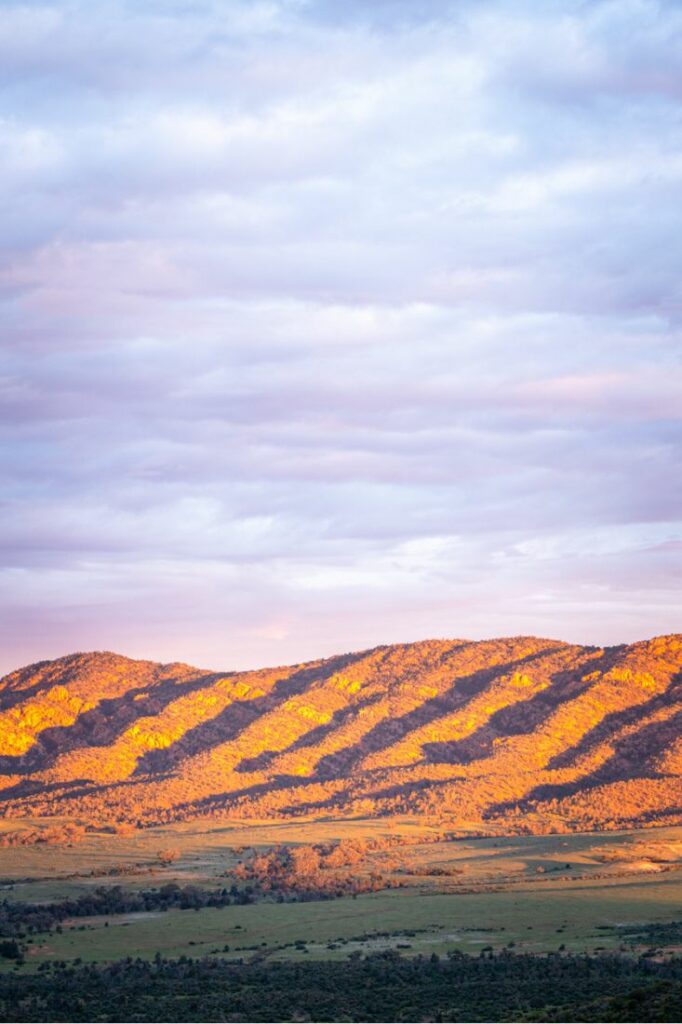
531 894
416 922
207 850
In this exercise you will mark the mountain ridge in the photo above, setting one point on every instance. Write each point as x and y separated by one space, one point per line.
507 734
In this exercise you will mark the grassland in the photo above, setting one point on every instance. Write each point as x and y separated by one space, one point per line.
533 921
531 894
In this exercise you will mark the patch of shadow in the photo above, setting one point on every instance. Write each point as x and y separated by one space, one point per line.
101 726
617 720
671 811
520 718
391 730
10 698
229 798
34 787
628 762
75 788
404 792
237 716
263 761
309 739
59 673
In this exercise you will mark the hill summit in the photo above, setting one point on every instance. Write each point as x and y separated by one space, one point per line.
515 734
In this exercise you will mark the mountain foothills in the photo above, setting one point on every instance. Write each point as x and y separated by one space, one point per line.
508 735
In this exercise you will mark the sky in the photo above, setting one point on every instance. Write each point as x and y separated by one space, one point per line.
331 324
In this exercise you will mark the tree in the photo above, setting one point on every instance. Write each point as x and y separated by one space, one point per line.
167 857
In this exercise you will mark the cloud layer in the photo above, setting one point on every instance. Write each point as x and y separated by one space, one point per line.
327 325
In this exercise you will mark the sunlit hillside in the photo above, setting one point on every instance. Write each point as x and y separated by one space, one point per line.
519 734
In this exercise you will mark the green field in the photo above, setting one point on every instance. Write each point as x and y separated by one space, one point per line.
534 921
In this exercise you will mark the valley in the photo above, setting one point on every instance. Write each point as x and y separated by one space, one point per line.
569 893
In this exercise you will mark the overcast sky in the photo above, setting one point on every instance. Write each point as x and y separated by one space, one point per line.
329 324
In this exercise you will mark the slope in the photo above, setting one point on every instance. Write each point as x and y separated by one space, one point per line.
514 734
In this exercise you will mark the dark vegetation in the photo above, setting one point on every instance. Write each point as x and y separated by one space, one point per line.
380 987
19 919
658 935
272 876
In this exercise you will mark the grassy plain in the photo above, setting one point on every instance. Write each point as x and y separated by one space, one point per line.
533 894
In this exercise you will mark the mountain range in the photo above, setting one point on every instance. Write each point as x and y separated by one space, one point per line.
518 734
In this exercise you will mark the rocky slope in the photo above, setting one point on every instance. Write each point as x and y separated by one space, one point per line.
500 735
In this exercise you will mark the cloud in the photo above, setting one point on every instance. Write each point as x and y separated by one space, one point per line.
328 325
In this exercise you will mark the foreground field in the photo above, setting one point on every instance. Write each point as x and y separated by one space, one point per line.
577 919
577 893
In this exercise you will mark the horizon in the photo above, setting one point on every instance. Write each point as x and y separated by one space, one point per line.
328 325
336 654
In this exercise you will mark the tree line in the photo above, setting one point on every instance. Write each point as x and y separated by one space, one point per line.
378 987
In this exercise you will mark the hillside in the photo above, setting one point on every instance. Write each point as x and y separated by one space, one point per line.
518 734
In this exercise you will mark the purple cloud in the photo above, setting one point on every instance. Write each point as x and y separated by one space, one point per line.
331 325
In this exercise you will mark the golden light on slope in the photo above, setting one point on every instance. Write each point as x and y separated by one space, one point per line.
517 733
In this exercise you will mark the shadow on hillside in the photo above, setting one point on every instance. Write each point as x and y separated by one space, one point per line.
102 725
392 730
320 732
617 720
631 760
13 695
335 766
237 716
36 787
401 794
520 718
261 762
10 698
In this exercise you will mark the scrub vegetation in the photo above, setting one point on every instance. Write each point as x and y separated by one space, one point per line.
517 735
